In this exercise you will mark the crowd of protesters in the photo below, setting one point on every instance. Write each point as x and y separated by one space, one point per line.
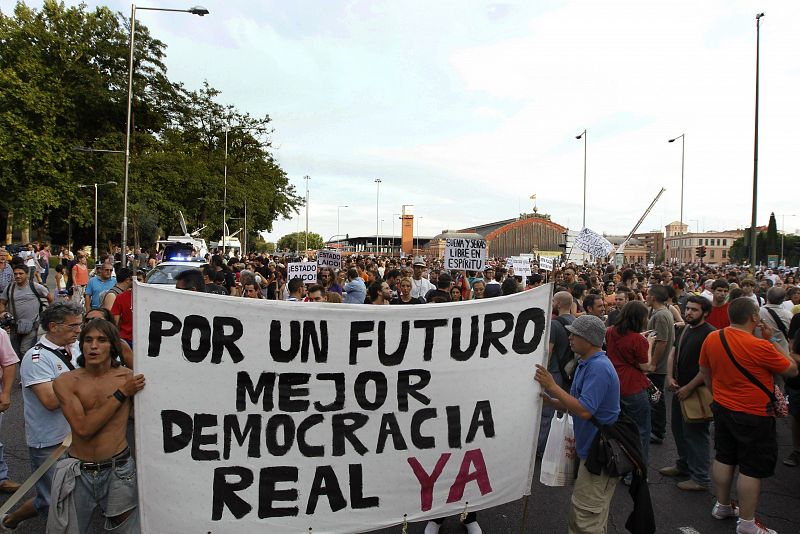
636 340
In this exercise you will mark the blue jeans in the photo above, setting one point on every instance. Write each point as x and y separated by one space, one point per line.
693 442
112 489
3 464
547 416
42 500
637 407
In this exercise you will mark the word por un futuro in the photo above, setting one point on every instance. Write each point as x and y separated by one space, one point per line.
278 414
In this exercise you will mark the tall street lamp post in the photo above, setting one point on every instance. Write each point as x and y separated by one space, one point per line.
225 181
395 216
306 178
753 232
196 10
583 136
418 219
102 151
377 215
682 137
95 186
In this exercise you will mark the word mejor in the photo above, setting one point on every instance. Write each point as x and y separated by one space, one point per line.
312 414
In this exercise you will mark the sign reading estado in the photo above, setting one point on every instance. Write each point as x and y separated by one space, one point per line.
269 416
464 254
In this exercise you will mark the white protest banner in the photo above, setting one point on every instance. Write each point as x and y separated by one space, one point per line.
268 416
464 254
305 270
545 263
521 265
593 243
329 258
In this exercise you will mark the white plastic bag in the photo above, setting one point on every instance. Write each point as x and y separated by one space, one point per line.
558 461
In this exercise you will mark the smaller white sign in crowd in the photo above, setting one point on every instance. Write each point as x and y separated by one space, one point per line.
465 254
329 258
305 270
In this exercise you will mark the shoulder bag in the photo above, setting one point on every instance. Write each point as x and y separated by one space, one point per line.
696 408
616 449
777 406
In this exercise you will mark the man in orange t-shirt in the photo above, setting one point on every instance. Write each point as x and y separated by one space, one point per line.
744 431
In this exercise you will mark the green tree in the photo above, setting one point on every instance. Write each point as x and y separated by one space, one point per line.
63 83
297 241
773 243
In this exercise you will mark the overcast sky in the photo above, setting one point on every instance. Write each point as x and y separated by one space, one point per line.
467 108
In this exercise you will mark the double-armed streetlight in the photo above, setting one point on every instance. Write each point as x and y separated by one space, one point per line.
583 136
196 10
377 215
96 185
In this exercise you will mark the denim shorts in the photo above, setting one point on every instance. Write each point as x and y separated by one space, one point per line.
42 500
113 489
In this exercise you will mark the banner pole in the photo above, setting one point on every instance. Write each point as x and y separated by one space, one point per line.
35 476
524 515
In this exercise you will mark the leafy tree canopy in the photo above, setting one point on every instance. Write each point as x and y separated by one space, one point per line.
297 241
63 84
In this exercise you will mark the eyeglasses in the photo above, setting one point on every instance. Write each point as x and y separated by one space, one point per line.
72 326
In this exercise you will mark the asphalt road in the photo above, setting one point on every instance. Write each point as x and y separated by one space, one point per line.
676 511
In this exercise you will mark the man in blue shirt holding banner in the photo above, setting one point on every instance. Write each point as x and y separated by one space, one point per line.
594 393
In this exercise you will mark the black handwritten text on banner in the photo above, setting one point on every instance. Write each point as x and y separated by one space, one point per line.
307 271
329 258
464 254
280 417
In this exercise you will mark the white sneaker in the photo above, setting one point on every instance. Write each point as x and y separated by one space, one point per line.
721 511
752 527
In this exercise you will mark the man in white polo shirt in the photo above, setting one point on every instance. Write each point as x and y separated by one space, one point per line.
45 425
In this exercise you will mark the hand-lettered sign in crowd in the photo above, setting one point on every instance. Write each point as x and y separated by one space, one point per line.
593 243
521 265
278 417
305 270
329 258
464 254
546 263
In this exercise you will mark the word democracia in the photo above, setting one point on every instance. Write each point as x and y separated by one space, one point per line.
327 415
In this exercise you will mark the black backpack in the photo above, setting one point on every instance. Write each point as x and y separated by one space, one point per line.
567 361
